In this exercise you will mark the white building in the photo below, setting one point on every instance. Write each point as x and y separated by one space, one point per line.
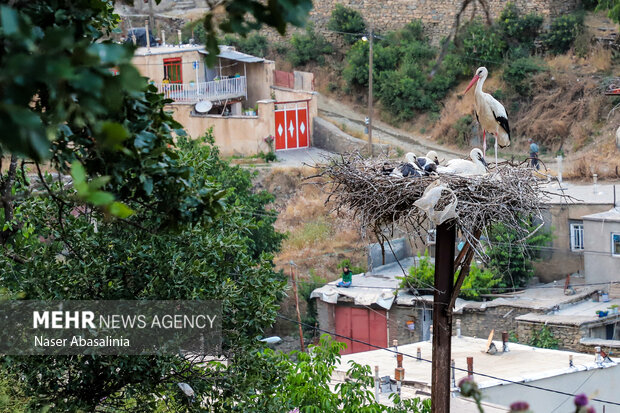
549 369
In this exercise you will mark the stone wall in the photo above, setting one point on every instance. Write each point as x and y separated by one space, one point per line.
436 15
478 322
568 336
327 136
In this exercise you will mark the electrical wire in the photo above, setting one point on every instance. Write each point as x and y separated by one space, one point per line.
430 361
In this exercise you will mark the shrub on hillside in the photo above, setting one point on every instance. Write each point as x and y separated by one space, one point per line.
518 73
483 44
563 32
192 30
308 47
347 20
519 29
463 128
254 44
356 70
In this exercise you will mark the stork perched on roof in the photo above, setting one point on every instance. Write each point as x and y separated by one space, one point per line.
490 113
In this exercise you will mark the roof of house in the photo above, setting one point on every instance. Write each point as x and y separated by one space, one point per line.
521 363
580 194
226 52
382 288
611 215
575 314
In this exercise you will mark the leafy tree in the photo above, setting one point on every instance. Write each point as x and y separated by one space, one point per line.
563 32
308 47
305 385
519 29
483 44
422 276
347 20
136 258
613 7
254 44
513 259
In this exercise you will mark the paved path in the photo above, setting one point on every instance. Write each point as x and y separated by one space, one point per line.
382 132
300 157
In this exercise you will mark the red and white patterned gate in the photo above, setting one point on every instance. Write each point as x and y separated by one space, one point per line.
292 124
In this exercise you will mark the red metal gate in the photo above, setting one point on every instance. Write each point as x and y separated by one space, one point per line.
364 324
292 124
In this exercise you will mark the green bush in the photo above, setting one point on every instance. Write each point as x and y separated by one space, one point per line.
254 44
421 275
356 269
476 283
544 338
519 71
463 127
195 30
345 19
483 44
308 47
563 32
511 258
519 29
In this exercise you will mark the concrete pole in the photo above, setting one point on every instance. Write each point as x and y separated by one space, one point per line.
442 317
370 56
148 38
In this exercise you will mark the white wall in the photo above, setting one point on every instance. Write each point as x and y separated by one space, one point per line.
600 383
600 265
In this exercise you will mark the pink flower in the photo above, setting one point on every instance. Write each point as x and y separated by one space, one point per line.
581 400
519 407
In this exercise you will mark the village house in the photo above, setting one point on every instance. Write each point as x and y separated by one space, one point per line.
592 373
242 98
564 218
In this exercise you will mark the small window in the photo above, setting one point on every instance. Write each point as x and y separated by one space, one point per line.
576 236
172 70
615 244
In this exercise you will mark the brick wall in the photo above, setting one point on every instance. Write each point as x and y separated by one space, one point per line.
436 15
477 322
568 336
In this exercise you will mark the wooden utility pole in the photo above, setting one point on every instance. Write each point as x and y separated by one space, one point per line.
370 55
301 332
442 317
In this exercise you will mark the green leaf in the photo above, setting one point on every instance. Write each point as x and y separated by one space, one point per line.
120 210
100 198
78 173
9 20
113 134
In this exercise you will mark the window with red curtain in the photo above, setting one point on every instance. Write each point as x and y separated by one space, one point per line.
172 69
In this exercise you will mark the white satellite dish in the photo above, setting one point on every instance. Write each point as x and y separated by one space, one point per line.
203 106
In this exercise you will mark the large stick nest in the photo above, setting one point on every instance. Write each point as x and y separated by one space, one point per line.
509 194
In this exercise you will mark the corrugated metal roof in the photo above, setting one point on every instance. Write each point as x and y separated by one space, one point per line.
227 53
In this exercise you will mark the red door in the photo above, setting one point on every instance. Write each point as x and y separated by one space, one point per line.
363 324
280 131
291 129
302 127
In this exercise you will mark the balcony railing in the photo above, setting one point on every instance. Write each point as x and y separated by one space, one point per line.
215 90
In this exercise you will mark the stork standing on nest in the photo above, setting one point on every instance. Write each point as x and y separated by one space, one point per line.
489 113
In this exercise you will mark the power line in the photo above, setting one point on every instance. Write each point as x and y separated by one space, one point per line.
430 361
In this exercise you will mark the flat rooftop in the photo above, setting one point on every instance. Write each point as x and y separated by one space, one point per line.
153 50
611 215
575 314
520 364
581 194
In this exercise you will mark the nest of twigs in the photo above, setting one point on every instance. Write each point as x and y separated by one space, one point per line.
509 194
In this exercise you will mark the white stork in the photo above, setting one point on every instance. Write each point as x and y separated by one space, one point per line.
477 165
489 113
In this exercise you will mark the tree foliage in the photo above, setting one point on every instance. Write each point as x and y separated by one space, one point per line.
511 258
305 385
347 20
612 7
309 46
563 32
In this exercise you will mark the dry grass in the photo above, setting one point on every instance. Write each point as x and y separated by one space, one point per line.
600 58
317 240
